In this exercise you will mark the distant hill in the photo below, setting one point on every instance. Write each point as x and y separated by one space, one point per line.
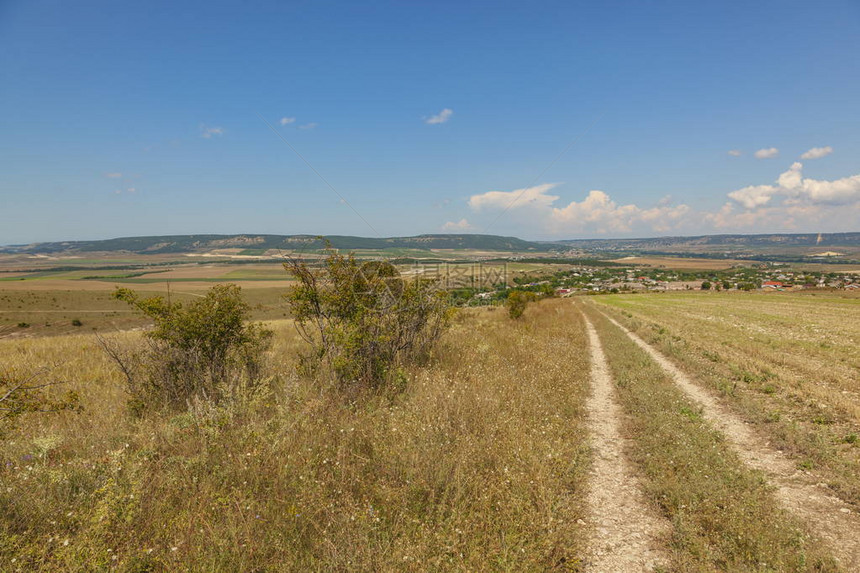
206 243
789 248
838 247
714 242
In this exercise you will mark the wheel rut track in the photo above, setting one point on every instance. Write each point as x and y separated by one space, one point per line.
626 532
827 516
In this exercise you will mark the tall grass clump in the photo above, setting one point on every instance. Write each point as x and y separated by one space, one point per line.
205 349
363 320
22 393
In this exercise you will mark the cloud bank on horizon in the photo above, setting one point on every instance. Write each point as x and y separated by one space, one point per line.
793 203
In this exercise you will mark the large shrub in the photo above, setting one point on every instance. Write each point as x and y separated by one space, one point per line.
517 301
205 349
363 319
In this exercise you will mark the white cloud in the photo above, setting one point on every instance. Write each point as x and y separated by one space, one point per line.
600 213
784 217
797 190
518 198
208 132
597 212
767 153
754 195
287 120
113 175
817 152
441 117
734 152
308 125
461 225
792 203
838 192
130 190
793 178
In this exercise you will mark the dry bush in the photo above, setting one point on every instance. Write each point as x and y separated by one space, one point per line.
362 319
203 350
517 301
22 393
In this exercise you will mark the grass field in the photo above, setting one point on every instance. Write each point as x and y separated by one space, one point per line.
685 263
482 462
51 311
478 465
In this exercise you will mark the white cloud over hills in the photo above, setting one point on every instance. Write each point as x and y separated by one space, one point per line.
597 212
457 226
792 202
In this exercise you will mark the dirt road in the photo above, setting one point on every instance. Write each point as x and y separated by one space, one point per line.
827 517
626 532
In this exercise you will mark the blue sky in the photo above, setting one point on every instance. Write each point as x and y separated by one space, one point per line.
141 120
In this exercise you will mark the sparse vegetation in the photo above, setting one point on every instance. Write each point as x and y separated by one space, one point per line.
479 464
787 364
472 460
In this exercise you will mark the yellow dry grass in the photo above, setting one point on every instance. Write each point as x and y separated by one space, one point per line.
477 465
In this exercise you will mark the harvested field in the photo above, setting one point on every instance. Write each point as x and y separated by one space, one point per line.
725 516
787 364
825 516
